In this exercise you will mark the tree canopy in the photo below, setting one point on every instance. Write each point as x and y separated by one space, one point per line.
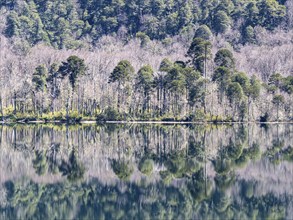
122 72
64 24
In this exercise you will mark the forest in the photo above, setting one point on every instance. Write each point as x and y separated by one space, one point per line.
140 60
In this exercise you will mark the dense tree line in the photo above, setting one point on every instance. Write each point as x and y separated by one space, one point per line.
71 23
205 86
181 89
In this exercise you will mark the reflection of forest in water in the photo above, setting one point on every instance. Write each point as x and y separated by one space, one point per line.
146 171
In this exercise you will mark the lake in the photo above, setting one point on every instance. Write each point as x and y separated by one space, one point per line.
146 171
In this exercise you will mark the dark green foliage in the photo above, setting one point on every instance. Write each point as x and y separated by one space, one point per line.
64 24
144 80
252 14
197 52
122 169
255 86
224 58
122 72
243 80
278 100
196 92
221 22
287 84
222 76
179 63
73 169
110 114
144 39
234 92
271 13
249 35
267 13
191 76
275 82
237 87
203 32
12 25
53 76
73 68
234 151
175 80
122 75
40 163
39 78
178 166
165 65
145 83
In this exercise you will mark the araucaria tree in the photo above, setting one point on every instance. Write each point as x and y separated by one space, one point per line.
39 84
144 84
122 74
74 67
198 52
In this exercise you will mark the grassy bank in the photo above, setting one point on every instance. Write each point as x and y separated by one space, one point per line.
112 116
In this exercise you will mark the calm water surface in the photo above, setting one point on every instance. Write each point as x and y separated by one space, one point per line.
146 172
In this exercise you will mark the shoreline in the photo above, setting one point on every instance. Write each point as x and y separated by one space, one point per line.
143 122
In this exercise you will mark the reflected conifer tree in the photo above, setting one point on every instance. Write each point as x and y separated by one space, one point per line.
123 169
73 169
40 162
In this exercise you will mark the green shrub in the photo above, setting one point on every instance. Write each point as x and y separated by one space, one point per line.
110 114
198 115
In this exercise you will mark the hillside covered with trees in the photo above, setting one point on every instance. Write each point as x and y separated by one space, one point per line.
202 60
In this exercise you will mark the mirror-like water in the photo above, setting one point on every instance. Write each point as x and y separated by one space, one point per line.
146 172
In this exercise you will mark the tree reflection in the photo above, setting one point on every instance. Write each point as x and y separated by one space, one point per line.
200 187
123 169
52 158
278 152
40 163
146 166
183 174
46 160
73 168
